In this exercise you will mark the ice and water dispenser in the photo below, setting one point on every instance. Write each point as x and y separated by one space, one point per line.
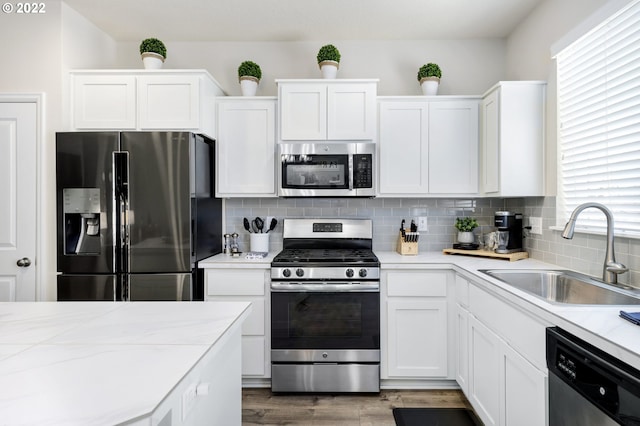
81 209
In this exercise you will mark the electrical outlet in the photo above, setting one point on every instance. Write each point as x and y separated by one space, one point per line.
536 225
422 224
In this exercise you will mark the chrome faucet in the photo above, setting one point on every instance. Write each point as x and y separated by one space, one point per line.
611 268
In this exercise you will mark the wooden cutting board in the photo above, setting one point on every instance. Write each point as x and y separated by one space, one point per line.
489 253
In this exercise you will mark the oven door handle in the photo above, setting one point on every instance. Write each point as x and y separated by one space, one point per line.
323 287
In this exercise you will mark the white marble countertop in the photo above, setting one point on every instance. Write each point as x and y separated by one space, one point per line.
598 324
101 363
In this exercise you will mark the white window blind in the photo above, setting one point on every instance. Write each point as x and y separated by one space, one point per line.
599 131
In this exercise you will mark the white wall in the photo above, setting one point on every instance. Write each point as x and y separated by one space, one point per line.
37 51
469 67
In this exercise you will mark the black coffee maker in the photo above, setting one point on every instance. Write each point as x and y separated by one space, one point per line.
511 224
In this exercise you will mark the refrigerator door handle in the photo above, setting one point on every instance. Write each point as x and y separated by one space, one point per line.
121 218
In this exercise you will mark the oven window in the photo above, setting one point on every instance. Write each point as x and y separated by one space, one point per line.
325 320
315 171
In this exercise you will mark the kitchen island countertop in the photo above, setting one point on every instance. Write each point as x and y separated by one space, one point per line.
106 363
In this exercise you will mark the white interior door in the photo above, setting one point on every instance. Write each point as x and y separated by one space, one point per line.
18 135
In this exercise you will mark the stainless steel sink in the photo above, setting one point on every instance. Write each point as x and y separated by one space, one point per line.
568 287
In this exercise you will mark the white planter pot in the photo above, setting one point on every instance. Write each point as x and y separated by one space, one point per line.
465 237
329 69
152 61
430 86
248 85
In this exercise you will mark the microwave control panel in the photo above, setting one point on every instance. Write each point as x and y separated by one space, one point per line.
363 171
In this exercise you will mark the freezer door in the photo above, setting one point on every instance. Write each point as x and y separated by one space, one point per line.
84 206
160 287
86 288
159 235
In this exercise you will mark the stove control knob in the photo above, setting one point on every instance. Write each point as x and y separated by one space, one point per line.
286 273
299 272
349 272
362 273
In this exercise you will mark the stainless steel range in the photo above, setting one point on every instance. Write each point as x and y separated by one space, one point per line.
325 308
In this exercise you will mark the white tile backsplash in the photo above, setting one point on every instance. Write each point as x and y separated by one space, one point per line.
386 213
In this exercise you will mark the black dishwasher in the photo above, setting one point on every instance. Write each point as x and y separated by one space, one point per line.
588 386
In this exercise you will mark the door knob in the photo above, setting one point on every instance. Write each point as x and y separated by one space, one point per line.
24 262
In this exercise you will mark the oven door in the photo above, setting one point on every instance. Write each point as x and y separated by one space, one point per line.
325 320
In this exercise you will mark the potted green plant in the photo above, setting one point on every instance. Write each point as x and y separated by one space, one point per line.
429 78
465 227
249 75
153 52
328 60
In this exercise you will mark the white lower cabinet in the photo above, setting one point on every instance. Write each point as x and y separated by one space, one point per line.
505 379
414 322
249 285
484 372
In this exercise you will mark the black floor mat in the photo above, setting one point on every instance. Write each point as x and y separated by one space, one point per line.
435 417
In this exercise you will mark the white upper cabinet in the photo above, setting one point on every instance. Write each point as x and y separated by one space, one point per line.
143 100
513 128
246 147
428 147
327 110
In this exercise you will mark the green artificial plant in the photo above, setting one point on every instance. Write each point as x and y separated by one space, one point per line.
249 69
153 45
466 224
328 53
429 70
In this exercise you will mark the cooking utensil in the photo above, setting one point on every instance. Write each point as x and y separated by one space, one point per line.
245 222
260 223
272 225
402 231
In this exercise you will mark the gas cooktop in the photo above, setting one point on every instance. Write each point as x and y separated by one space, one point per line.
297 255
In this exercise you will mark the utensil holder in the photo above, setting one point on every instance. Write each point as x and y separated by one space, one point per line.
259 242
406 248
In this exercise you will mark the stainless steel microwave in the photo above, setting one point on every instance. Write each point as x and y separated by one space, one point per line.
326 169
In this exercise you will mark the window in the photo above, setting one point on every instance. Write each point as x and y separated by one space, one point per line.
599 124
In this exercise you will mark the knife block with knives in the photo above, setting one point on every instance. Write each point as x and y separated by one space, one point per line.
408 240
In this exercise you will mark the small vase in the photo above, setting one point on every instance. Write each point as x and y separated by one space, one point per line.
152 61
329 69
465 237
430 85
248 85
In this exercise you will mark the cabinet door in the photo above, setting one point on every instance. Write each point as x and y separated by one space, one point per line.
462 349
484 372
168 102
246 148
524 391
404 148
303 111
453 147
351 111
104 102
417 337
491 142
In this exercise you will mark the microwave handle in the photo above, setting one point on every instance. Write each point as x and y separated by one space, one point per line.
350 172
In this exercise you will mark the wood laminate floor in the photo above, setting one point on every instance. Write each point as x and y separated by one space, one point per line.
261 407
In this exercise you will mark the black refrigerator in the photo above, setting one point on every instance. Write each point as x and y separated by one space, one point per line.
135 213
